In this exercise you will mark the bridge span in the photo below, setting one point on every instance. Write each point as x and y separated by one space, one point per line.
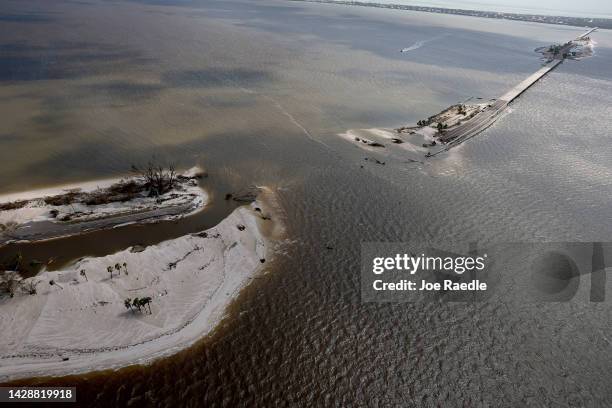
491 113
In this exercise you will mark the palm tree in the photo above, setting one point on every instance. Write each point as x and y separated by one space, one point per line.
125 267
52 283
110 270
83 274
136 303
118 268
145 301
128 303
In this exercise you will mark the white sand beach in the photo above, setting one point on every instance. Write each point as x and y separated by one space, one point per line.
80 323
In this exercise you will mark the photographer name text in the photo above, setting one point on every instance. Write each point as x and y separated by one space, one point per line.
410 264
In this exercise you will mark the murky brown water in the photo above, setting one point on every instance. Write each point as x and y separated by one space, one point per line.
256 92
56 253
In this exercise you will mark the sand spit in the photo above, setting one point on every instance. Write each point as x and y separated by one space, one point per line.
413 143
71 209
80 323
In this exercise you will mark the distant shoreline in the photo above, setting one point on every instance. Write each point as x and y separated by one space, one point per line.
604 23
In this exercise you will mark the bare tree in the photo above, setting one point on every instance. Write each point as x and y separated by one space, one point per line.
159 179
9 282
30 286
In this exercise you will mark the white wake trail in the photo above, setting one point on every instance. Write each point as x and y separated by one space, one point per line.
421 43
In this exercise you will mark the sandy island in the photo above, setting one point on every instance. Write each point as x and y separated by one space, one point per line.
80 322
73 209
415 142
458 123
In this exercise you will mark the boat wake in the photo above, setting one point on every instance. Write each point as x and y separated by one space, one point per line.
420 44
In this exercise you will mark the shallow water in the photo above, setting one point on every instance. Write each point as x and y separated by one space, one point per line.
257 93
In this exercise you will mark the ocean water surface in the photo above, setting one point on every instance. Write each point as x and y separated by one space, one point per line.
257 92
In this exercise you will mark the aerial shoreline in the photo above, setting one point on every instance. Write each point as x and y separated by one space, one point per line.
77 321
460 122
73 209
604 23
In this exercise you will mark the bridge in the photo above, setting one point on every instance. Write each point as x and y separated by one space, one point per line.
491 113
